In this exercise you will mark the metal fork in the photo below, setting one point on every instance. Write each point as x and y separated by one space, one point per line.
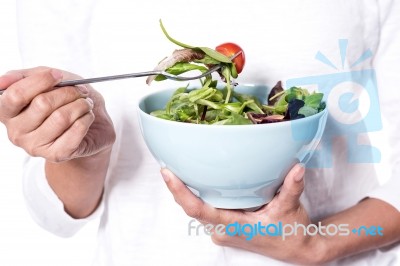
136 75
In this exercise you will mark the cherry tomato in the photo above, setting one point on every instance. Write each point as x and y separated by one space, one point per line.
230 49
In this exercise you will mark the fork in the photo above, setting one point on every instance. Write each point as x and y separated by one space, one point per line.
138 74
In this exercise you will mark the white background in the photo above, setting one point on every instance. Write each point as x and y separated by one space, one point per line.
22 242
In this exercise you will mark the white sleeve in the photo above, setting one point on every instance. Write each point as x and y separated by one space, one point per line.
387 66
43 204
55 34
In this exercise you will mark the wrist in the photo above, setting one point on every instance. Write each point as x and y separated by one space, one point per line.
316 250
79 183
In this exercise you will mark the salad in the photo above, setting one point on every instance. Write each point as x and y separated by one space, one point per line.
213 104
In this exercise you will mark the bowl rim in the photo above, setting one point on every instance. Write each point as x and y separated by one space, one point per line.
278 124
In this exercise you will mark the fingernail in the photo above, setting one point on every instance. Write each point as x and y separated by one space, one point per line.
299 172
83 89
90 101
57 74
165 175
298 177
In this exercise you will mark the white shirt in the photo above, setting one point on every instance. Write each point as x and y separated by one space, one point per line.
140 222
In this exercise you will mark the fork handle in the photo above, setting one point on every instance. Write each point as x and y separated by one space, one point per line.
100 79
106 78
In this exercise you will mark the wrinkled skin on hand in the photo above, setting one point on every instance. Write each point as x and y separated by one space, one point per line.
56 124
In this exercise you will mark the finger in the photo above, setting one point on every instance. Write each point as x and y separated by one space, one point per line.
10 78
63 118
71 144
56 124
19 94
43 105
292 188
13 76
194 206
33 71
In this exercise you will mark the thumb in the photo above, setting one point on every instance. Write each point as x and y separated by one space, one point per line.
10 78
292 188
191 204
182 194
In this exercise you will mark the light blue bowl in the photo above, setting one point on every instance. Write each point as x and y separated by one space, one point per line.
229 166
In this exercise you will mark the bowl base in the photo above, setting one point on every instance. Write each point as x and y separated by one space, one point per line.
243 203
239 199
